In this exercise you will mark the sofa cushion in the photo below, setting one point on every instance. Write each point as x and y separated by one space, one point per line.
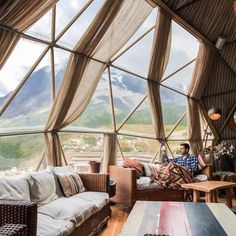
60 170
75 208
47 226
145 183
99 199
42 187
16 188
200 178
71 184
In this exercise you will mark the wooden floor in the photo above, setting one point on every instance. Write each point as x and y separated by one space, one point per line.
118 218
120 214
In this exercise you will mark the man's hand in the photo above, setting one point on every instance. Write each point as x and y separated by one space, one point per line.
163 150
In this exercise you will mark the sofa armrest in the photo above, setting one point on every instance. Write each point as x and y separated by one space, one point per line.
95 182
208 171
19 212
126 185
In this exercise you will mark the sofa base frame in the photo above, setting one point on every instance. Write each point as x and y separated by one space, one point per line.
94 223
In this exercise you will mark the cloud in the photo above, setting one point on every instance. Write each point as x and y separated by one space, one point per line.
3 90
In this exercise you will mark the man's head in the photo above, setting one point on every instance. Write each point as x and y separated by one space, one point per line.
184 149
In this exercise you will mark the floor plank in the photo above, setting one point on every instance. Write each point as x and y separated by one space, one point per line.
115 224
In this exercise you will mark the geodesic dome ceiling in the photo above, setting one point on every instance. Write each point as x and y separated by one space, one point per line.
146 71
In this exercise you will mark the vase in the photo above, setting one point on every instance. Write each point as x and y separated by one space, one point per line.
95 166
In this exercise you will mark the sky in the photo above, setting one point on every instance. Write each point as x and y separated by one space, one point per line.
184 45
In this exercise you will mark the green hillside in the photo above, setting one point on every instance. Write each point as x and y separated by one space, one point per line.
14 151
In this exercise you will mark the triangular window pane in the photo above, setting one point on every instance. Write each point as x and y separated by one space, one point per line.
184 48
174 147
181 80
128 91
73 35
147 24
119 156
64 16
139 148
20 154
180 132
174 106
15 68
61 58
42 28
79 149
140 122
137 58
98 113
30 107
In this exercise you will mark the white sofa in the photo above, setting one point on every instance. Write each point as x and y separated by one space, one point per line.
81 214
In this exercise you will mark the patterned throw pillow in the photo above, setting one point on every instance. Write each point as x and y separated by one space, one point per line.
201 163
137 165
71 184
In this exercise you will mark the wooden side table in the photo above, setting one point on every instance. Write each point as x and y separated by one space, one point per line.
209 188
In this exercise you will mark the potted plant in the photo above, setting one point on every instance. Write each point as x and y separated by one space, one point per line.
224 155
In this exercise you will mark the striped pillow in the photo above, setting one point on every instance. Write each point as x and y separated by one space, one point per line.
71 184
151 169
201 163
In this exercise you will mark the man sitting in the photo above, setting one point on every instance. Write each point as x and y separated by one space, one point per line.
186 160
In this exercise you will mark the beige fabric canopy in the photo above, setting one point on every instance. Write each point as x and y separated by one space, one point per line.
19 15
213 81
82 73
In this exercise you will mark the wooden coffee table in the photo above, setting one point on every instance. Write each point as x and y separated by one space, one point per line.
209 188
180 219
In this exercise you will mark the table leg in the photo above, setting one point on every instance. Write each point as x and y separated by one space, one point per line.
215 196
228 197
195 195
209 196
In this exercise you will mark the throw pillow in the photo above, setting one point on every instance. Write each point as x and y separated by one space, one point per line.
71 184
137 165
200 178
42 187
16 188
201 163
151 169
60 170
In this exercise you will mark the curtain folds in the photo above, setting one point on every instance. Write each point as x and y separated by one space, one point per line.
109 151
53 148
8 41
200 75
114 24
19 15
159 60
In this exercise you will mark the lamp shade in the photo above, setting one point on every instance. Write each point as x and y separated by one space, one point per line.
214 113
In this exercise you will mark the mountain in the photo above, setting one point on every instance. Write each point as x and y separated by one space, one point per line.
35 97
